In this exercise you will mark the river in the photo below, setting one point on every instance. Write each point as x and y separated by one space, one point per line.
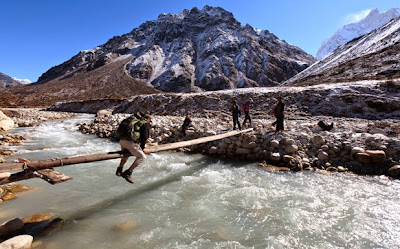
192 201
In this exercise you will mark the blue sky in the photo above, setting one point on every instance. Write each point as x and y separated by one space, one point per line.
36 35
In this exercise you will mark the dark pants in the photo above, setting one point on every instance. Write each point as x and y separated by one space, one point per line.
236 121
246 117
279 123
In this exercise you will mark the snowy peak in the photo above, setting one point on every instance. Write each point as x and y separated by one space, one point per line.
372 21
372 56
7 81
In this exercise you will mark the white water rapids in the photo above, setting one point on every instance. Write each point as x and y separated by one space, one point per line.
193 201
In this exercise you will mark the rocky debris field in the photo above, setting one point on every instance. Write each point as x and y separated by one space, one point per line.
361 146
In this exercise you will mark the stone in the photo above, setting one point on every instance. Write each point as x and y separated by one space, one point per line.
290 149
356 150
20 242
250 145
103 113
213 150
12 228
243 151
377 156
341 169
318 140
125 226
4 174
37 218
275 157
274 143
221 151
287 158
322 156
325 147
363 158
6 123
394 171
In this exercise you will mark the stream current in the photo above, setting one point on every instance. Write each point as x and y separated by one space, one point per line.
193 201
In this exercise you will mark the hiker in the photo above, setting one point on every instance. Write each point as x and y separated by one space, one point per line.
133 132
278 113
186 123
235 114
246 108
324 126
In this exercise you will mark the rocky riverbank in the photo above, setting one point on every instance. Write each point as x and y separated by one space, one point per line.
358 145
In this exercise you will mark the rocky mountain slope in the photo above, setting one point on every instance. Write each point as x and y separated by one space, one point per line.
371 56
374 20
195 50
7 81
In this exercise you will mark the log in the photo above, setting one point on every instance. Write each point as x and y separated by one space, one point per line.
172 146
59 162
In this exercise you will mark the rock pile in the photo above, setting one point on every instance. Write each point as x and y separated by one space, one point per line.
357 145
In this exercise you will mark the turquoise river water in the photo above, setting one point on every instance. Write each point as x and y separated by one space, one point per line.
193 201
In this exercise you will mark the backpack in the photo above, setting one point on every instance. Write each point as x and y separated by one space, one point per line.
129 128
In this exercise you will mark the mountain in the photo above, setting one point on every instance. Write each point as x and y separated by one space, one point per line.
373 56
195 50
7 81
374 20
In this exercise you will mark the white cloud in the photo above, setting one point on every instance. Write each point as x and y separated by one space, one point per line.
23 81
355 17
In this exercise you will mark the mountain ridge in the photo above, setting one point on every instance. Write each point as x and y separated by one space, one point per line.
372 21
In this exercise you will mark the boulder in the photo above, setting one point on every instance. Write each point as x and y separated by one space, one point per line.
103 113
318 140
394 171
377 156
243 151
323 156
356 150
290 149
275 157
274 143
363 158
12 228
213 150
6 123
20 242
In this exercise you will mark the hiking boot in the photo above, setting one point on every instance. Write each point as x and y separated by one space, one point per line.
127 175
119 171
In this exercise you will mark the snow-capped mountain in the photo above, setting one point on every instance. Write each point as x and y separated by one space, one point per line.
195 50
372 56
372 21
7 81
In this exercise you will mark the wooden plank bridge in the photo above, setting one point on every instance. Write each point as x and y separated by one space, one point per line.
44 168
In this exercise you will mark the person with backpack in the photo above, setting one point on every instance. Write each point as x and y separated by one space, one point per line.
235 114
133 134
246 108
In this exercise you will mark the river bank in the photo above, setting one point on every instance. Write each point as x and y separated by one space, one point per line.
361 146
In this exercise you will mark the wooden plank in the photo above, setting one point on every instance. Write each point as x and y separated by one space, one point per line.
172 146
51 176
59 162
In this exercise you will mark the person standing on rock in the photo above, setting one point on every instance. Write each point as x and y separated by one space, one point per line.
186 124
133 134
235 114
278 113
246 108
